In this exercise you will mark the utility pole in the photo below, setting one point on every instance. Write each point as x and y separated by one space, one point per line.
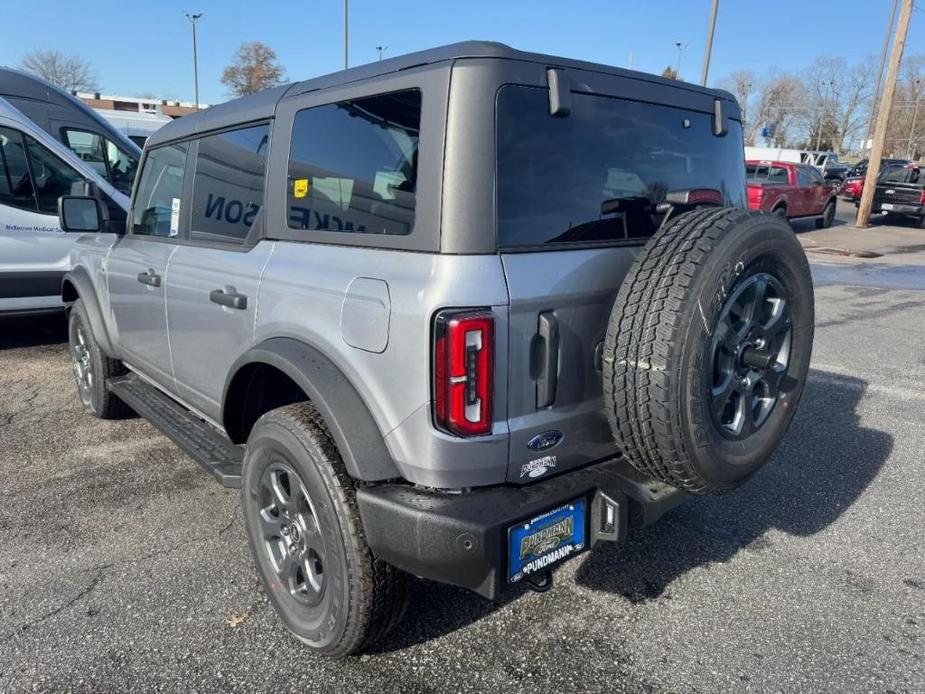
381 49
346 35
677 70
193 18
876 96
705 70
915 117
825 108
883 115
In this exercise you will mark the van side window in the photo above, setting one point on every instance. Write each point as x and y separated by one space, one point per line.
15 181
51 177
158 206
112 163
353 165
228 185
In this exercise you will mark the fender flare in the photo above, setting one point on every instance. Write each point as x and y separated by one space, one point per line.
358 438
76 284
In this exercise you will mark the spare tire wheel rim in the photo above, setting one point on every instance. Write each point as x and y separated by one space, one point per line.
750 354
291 533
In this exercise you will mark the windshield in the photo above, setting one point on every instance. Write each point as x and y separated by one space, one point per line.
555 173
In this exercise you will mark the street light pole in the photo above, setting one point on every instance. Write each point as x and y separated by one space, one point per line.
381 49
709 49
678 68
915 117
193 18
346 35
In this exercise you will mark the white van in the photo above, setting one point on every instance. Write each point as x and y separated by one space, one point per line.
35 170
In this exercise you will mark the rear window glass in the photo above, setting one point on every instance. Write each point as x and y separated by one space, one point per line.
353 165
766 173
901 174
554 173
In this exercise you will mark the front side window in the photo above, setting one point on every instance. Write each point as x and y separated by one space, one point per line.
51 177
555 174
803 178
228 185
159 202
106 158
15 181
353 165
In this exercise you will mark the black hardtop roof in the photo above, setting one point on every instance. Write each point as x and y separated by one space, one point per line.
263 105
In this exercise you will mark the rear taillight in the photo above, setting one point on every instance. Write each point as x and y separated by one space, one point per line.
922 198
463 371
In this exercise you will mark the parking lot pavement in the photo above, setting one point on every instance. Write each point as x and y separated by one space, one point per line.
124 567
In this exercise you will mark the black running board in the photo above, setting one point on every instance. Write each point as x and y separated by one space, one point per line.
198 439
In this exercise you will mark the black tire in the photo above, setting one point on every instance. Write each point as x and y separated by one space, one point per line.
92 368
828 216
333 595
663 353
921 221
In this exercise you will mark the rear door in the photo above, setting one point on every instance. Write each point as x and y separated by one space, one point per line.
214 275
565 258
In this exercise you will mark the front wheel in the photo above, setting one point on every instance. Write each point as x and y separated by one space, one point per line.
307 537
92 368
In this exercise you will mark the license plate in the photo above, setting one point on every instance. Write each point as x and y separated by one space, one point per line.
546 540
886 206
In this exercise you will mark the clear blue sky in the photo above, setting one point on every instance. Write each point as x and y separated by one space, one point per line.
145 46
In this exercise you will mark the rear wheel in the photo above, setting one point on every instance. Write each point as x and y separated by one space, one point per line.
92 368
708 348
307 537
828 216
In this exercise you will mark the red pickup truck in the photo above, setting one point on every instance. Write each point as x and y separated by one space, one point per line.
790 190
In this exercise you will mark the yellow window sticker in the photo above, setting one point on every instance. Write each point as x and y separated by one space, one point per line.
300 188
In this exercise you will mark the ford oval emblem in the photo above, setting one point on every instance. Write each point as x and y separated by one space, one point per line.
544 441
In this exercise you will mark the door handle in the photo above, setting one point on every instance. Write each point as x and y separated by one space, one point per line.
548 376
150 278
231 299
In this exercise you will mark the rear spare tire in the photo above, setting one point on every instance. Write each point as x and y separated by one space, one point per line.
708 347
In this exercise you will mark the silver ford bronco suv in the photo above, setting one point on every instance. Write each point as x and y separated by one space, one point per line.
461 315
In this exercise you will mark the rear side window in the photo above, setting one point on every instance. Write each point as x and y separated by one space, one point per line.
158 202
555 173
353 165
228 185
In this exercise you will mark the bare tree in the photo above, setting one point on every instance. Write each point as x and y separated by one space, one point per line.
670 73
254 69
837 98
906 131
69 72
775 106
741 84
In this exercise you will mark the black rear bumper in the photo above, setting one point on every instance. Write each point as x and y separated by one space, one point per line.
461 538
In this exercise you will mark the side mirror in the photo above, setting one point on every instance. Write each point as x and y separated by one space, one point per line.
80 213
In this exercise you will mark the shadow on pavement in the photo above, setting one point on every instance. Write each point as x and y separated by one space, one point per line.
824 465
32 331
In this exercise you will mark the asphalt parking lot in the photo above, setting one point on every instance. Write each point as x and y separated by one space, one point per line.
124 567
